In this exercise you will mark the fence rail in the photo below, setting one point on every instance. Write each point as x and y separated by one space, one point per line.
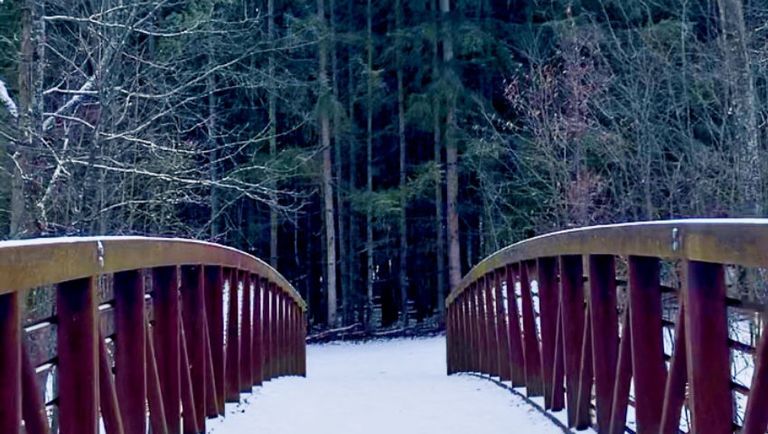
646 327
129 333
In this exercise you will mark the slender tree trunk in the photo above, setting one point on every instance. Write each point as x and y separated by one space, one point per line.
403 271
337 146
451 159
369 169
24 219
352 258
274 222
325 144
438 156
213 158
742 106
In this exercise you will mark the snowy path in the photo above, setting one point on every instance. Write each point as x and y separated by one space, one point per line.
395 386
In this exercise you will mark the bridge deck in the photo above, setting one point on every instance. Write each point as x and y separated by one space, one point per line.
395 386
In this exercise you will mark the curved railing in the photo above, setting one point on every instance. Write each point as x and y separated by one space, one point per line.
647 327
130 332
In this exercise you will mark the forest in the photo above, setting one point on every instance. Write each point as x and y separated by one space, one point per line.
374 151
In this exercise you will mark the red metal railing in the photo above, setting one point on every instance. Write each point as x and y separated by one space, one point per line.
134 332
649 327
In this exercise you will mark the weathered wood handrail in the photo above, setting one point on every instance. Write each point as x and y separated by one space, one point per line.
135 332
581 316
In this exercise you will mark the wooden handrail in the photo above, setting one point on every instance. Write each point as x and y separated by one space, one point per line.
550 314
172 372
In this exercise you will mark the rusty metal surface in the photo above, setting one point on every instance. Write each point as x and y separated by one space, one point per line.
724 241
33 263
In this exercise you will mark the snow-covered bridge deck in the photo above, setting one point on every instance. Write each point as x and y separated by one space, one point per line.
396 386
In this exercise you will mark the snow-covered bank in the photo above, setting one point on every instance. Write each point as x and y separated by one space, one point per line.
396 386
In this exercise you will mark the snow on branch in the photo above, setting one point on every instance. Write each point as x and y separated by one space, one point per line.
6 99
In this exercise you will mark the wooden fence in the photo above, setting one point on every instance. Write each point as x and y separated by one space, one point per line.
649 327
129 333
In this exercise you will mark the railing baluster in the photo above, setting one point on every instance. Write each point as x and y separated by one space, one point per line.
623 378
188 400
232 370
266 335
708 353
674 391
110 409
158 421
193 310
477 346
77 336
603 316
246 356
32 406
492 346
165 297
648 366
516 356
214 304
572 303
546 276
258 328
10 363
533 382
466 333
756 418
583 418
558 365
211 400
130 348
273 329
501 329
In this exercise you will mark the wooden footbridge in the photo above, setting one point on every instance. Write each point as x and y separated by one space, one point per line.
649 328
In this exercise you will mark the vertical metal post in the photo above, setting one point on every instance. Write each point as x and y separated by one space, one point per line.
273 328
214 305
492 346
246 361
648 365
531 349
232 370
674 391
165 296
77 338
258 329
130 348
604 320
709 373
266 334
501 329
756 418
193 310
546 276
623 380
572 303
10 363
477 345
516 356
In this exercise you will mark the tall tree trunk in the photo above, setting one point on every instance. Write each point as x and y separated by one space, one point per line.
24 219
451 158
438 156
352 257
325 144
273 217
369 169
337 146
213 158
741 110
403 272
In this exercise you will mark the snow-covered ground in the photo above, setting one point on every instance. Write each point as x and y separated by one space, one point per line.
396 386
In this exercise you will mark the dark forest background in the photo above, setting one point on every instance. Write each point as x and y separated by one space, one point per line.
373 151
